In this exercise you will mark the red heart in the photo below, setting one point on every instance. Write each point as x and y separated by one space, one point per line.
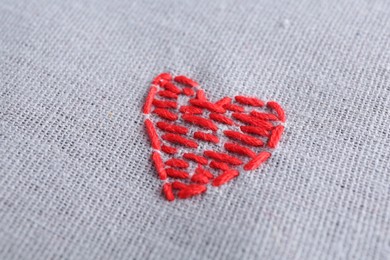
201 142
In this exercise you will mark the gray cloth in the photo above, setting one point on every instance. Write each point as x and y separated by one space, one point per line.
76 180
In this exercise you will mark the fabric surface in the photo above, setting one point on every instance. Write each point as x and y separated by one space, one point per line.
76 179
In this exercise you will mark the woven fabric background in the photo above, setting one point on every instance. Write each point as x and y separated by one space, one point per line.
76 180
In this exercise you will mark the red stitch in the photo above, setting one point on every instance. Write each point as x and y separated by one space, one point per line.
198 178
152 134
200 121
195 158
191 190
149 99
178 163
207 105
247 139
159 165
186 81
276 134
166 114
173 173
201 95
168 149
219 165
178 129
278 109
238 149
253 120
221 118
167 94
201 170
206 137
168 193
223 157
171 87
188 92
225 177
164 104
255 130
234 107
191 110
223 101
177 185
162 76
264 116
250 101
177 139
257 161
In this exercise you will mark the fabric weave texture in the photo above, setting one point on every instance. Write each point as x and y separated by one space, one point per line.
76 179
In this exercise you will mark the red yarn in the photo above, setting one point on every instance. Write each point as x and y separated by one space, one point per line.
225 177
207 105
206 137
167 94
223 101
190 110
238 149
162 77
251 120
149 99
201 95
195 158
221 118
219 165
164 104
200 178
249 101
278 109
159 165
264 116
191 190
200 121
247 139
178 129
177 139
178 163
173 173
255 130
168 193
186 81
276 134
201 170
177 185
168 149
257 161
155 141
233 107
170 87
223 157
208 115
188 92
166 114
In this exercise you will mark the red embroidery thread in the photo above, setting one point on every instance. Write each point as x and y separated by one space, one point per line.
254 126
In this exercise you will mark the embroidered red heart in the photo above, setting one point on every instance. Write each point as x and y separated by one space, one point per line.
199 142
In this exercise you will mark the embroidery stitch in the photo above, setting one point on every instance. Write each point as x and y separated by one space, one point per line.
191 136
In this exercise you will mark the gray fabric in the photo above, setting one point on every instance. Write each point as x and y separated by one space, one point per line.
76 181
